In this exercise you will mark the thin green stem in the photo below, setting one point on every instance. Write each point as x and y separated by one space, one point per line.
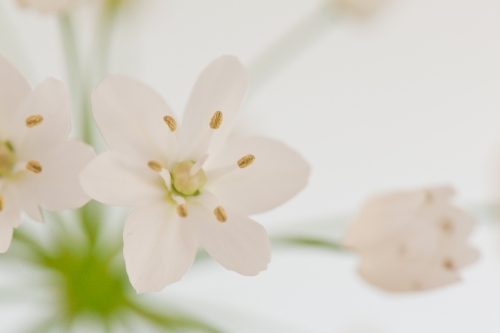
47 325
309 242
170 321
89 214
289 46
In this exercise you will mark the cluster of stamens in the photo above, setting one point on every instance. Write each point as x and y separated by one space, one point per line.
186 179
8 165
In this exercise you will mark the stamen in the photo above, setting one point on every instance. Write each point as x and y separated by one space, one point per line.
172 124
34 166
220 214
449 264
1 202
34 120
216 120
246 161
155 166
197 166
166 178
447 226
182 210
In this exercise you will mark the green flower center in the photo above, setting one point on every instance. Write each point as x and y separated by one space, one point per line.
185 183
7 158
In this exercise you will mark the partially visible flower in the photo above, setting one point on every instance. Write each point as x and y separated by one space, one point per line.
47 6
410 241
360 7
188 183
39 166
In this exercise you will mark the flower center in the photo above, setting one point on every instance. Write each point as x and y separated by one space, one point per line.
185 183
7 158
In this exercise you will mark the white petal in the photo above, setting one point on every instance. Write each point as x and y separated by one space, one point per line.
115 179
14 89
159 246
51 101
239 244
277 174
10 216
383 217
441 193
406 275
130 115
222 86
464 255
6 231
57 187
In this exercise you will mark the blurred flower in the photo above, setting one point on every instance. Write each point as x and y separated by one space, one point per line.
38 164
47 6
189 184
411 241
360 7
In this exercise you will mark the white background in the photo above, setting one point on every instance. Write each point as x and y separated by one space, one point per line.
407 98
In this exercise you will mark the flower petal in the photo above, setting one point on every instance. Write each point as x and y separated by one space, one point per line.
57 187
406 275
276 175
239 244
50 100
14 89
383 217
115 179
6 231
130 115
159 246
222 86
10 216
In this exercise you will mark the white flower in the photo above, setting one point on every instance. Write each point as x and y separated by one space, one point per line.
411 241
38 164
189 184
360 7
48 6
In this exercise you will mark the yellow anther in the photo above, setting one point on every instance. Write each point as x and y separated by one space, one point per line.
1 202
216 120
182 210
172 124
449 264
246 161
155 166
34 166
220 214
34 120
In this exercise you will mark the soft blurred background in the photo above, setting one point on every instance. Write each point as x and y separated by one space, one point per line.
407 97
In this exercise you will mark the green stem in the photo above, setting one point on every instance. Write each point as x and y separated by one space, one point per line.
170 321
290 46
309 242
73 71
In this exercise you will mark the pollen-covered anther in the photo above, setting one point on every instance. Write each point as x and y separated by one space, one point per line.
246 161
182 210
171 123
216 120
220 214
34 166
34 120
1 202
155 166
